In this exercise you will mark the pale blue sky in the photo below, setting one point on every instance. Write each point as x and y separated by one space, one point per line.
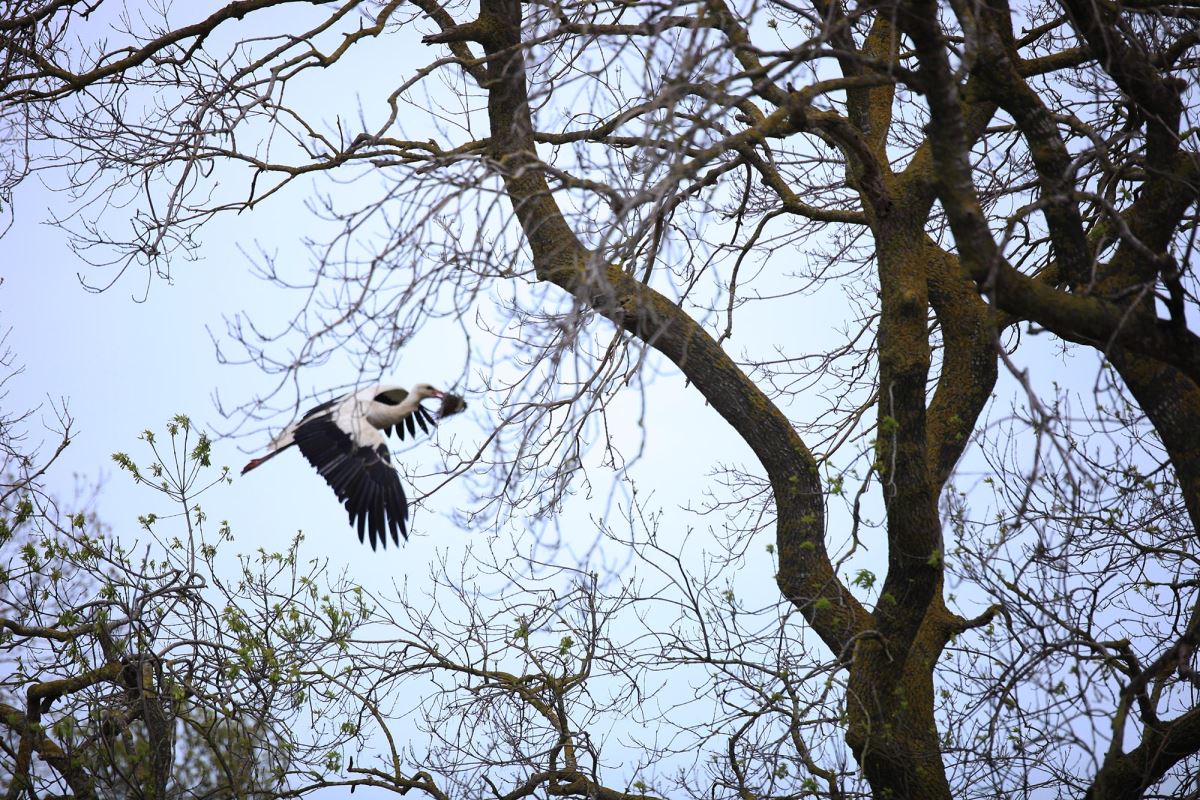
129 358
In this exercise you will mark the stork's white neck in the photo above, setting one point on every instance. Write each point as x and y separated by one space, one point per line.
382 415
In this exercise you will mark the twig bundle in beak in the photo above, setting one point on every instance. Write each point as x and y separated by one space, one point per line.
451 404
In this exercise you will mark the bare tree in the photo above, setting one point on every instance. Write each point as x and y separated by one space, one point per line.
608 187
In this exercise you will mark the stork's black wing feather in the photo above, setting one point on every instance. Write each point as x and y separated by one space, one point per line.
362 477
419 417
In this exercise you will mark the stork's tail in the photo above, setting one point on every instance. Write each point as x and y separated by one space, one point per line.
283 441
254 462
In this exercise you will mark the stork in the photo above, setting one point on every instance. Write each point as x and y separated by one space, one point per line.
344 439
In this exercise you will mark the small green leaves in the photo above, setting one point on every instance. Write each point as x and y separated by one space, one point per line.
202 452
126 463
864 578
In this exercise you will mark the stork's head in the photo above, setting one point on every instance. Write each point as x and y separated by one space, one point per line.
423 390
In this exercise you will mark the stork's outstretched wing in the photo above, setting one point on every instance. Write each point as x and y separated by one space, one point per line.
362 477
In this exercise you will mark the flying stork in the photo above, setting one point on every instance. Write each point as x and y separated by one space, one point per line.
344 439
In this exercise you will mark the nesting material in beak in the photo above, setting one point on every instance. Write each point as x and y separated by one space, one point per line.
451 404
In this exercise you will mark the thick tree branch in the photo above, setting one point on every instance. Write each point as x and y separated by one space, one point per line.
1126 776
806 575
999 73
1089 320
969 366
71 769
